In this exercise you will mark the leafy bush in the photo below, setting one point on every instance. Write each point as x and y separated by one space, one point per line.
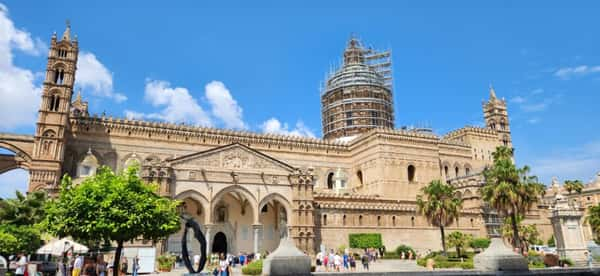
450 261
391 255
480 243
166 262
535 261
551 242
405 249
567 261
253 268
365 240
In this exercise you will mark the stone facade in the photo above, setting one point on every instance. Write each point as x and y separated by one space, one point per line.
250 189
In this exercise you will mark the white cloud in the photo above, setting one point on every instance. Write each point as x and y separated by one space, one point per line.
576 163
19 94
534 120
537 91
177 105
224 106
93 75
276 127
518 100
581 70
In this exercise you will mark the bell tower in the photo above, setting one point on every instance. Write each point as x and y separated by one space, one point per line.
496 117
53 114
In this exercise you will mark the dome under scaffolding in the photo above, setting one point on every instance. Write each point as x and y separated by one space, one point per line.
358 96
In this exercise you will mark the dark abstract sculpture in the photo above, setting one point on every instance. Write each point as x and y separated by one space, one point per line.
191 223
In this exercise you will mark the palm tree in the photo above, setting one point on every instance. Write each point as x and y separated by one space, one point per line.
574 185
593 219
528 233
439 205
510 190
24 209
459 240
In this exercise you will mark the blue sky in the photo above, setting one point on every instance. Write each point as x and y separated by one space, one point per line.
258 64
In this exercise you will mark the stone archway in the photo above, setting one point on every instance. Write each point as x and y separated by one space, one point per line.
234 213
275 218
219 244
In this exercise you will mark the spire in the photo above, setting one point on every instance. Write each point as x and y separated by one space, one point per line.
78 97
492 92
67 34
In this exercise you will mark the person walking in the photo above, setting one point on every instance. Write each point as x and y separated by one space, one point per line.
90 268
224 269
135 265
365 261
590 259
21 264
101 266
77 265
124 266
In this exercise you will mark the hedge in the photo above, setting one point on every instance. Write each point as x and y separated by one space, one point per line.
253 268
365 240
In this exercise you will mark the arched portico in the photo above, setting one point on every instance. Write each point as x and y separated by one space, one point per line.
275 217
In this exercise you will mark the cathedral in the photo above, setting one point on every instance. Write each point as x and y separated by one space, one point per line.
247 189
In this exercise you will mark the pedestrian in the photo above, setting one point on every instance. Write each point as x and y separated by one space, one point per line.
101 266
365 261
319 260
77 265
337 260
135 266
224 269
124 266
326 262
352 263
402 255
21 264
89 269
590 258
346 261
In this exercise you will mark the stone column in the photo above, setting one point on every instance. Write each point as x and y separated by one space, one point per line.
207 235
256 233
566 223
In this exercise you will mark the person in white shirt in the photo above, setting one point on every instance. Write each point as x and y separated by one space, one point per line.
337 261
78 265
21 264
196 261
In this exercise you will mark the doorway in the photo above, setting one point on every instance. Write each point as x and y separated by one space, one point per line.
219 243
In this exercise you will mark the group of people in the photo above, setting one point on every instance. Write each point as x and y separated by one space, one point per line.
344 261
81 266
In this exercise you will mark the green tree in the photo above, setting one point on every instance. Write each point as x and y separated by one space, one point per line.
593 219
8 243
112 207
365 240
439 205
480 243
24 209
551 242
573 185
20 218
528 233
460 241
510 190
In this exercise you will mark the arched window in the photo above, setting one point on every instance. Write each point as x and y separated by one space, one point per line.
467 171
394 220
446 171
330 182
359 175
324 219
378 220
412 221
344 220
360 221
456 171
411 173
